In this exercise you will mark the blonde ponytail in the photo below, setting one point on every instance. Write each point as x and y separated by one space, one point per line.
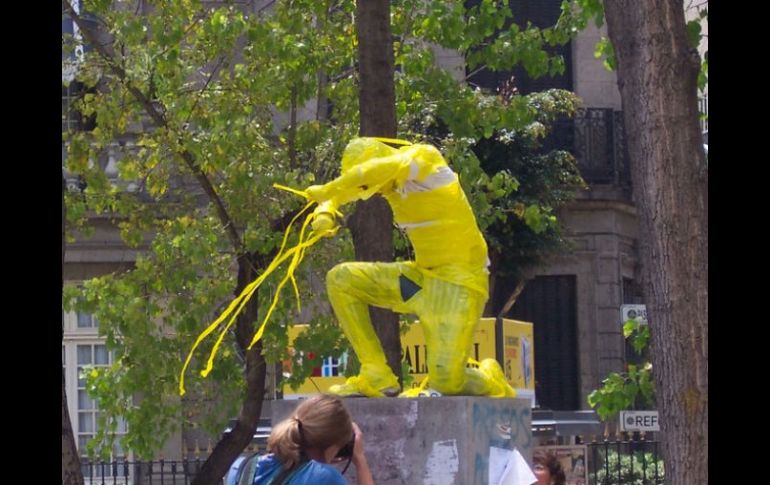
317 423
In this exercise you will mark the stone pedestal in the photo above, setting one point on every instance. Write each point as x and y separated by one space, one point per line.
435 440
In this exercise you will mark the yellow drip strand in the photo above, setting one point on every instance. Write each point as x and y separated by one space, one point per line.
315 238
296 253
301 193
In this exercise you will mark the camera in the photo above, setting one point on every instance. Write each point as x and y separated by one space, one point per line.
347 450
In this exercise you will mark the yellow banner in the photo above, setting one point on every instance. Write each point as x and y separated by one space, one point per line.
518 359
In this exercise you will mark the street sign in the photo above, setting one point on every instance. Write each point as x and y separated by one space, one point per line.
633 312
639 421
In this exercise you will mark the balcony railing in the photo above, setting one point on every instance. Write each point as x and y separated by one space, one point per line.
595 136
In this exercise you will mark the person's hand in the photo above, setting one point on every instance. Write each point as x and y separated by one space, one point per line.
316 193
323 221
358 447
324 217
363 473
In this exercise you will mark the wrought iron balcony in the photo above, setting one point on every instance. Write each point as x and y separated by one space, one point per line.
596 137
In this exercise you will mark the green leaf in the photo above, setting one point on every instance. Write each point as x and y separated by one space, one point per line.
629 327
605 49
694 33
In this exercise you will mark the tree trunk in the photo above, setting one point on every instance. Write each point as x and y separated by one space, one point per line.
232 444
657 72
71 473
371 224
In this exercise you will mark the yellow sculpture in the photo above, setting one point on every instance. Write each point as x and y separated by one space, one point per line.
446 286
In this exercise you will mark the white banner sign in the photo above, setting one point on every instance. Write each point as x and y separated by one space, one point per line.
639 421
633 312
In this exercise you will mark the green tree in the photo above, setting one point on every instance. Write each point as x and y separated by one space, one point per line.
632 389
174 80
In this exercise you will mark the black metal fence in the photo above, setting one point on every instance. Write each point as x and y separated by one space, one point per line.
629 462
609 462
156 472
597 139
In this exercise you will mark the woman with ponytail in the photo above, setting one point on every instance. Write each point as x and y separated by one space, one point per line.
302 446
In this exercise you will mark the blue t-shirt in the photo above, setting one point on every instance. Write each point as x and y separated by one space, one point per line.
310 473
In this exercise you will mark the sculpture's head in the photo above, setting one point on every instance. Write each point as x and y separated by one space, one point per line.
360 150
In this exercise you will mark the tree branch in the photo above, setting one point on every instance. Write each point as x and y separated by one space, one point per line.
203 89
160 119
512 298
293 129
197 19
471 74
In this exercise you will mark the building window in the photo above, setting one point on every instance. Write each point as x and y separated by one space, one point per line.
86 320
542 14
332 367
703 109
87 355
83 350
632 292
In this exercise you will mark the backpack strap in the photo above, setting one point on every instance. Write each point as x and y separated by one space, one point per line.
247 469
286 474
